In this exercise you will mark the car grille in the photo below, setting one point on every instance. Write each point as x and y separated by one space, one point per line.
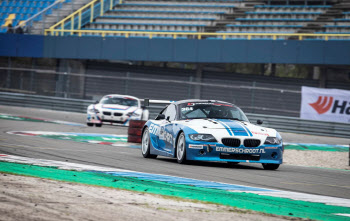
106 113
251 143
114 121
231 142
253 157
118 114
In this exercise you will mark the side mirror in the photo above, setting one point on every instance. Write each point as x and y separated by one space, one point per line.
160 117
96 102
259 122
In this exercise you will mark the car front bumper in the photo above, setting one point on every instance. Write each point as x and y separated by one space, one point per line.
218 152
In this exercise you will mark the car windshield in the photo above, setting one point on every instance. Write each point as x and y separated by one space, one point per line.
119 100
211 110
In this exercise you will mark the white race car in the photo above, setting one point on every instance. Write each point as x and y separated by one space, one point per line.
115 109
210 130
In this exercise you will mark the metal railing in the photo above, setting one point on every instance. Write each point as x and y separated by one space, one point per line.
197 35
44 102
29 22
83 15
281 123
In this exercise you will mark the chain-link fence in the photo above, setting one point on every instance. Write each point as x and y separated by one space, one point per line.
76 79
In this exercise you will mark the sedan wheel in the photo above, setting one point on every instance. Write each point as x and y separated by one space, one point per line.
145 145
181 149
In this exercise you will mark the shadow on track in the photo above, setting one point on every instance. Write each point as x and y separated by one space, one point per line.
212 164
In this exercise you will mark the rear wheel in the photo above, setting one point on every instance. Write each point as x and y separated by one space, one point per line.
181 149
270 166
146 145
90 124
98 125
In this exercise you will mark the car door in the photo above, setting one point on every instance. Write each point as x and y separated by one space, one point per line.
166 133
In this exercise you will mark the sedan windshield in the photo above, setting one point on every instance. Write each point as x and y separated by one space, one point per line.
119 101
211 110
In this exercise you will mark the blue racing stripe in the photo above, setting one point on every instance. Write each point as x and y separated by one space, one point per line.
250 133
227 128
236 127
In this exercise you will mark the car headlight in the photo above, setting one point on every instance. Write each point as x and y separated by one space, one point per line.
202 137
272 140
93 111
132 114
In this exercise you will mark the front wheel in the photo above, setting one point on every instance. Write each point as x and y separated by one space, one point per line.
90 124
98 125
146 145
181 149
270 166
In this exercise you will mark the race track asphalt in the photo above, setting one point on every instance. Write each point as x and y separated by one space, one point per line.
318 181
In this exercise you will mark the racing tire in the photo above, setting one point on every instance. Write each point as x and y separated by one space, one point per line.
146 145
270 166
181 149
90 124
98 125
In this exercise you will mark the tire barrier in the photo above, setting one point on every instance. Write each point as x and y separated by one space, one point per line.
135 130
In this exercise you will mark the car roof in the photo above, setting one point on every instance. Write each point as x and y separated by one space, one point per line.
200 101
120 95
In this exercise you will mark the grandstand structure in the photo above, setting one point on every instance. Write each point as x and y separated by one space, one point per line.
35 15
212 19
231 19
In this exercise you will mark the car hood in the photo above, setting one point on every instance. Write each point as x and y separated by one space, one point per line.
115 107
229 128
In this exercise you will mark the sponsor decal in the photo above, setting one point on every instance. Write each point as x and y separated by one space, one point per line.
165 135
194 146
154 129
259 133
238 150
186 109
325 104
271 147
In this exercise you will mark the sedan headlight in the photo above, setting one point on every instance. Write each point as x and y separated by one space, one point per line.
202 137
93 111
132 114
272 140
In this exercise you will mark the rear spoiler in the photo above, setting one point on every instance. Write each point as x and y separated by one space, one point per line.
147 101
